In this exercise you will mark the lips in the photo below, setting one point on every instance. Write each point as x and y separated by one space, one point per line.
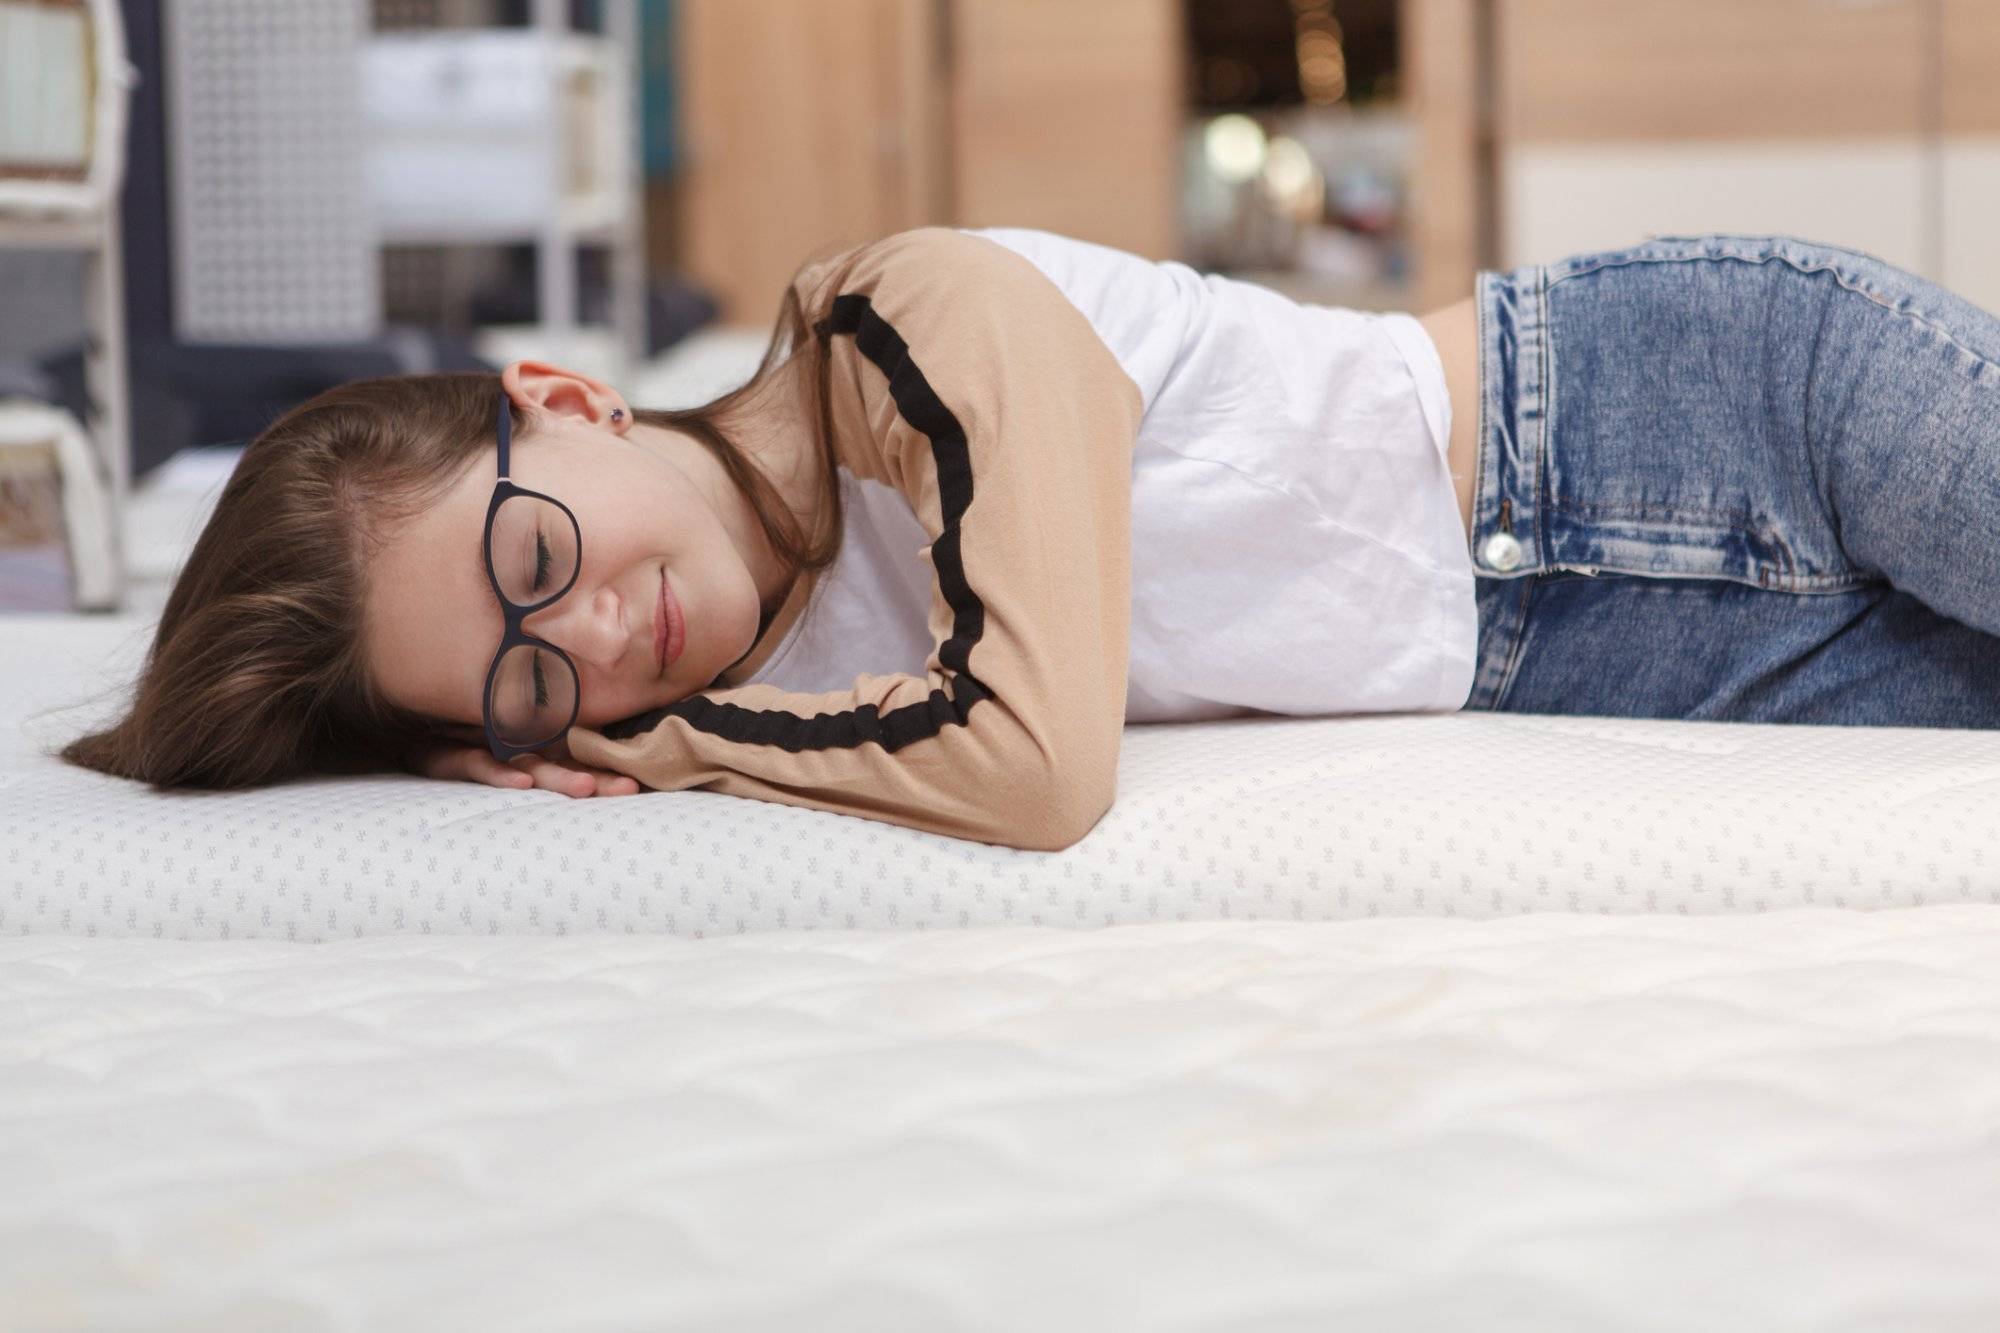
661 623
669 626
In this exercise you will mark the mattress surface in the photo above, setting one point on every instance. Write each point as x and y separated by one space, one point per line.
1465 814
1787 1121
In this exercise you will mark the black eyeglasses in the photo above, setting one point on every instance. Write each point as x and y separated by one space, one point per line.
532 543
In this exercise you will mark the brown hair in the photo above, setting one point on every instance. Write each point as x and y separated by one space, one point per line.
256 672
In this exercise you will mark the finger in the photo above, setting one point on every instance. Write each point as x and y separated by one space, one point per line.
604 781
610 782
616 784
481 766
464 763
556 777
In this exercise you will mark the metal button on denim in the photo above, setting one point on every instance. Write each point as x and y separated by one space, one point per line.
1501 551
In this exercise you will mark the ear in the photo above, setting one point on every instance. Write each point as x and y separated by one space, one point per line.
552 390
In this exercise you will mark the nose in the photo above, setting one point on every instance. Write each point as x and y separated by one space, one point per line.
587 626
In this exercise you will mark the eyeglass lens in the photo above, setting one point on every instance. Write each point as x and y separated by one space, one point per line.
534 693
534 549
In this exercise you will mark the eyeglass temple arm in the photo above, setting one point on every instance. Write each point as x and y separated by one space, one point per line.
506 433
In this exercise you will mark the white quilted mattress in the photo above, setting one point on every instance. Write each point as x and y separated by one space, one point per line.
1467 814
1778 1121
389 1053
368 1054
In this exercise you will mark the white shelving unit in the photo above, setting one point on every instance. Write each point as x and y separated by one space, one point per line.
302 140
546 120
70 201
74 205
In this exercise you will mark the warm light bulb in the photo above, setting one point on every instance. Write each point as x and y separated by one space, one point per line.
1288 168
1234 147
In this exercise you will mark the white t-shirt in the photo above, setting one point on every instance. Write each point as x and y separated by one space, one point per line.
1296 543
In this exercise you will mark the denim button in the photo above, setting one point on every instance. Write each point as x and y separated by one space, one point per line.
1501 551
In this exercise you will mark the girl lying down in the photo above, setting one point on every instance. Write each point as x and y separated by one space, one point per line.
991 495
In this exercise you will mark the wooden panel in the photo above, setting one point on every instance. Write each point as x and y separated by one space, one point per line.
1068 116
1971 188
919 150
1969 183
1869 193
1696 69
1449 200
808 127
1971 60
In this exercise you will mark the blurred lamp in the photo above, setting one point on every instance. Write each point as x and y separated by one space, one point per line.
1288 169
1234 147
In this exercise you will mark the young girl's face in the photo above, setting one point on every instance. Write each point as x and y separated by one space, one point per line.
650 504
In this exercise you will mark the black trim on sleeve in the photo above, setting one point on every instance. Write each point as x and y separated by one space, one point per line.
920 406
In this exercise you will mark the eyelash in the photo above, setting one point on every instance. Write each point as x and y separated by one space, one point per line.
542 562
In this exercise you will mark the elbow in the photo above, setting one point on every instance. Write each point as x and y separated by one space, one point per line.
1051 827
1067 807
1052 783
1084 816
1088 785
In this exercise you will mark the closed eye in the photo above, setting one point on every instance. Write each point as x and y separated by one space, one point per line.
542 562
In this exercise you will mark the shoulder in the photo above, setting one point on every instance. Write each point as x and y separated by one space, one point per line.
926 259
979 315
940 245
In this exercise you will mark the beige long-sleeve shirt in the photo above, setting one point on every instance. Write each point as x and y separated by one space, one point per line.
964 379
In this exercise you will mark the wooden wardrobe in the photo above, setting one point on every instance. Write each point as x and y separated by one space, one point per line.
813 125
1552 127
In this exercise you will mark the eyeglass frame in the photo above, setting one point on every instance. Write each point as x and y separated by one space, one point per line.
511 634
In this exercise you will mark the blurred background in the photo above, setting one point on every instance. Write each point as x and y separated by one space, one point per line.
213 209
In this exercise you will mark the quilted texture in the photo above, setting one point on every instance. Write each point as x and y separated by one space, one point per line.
1468 814
1779 1122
